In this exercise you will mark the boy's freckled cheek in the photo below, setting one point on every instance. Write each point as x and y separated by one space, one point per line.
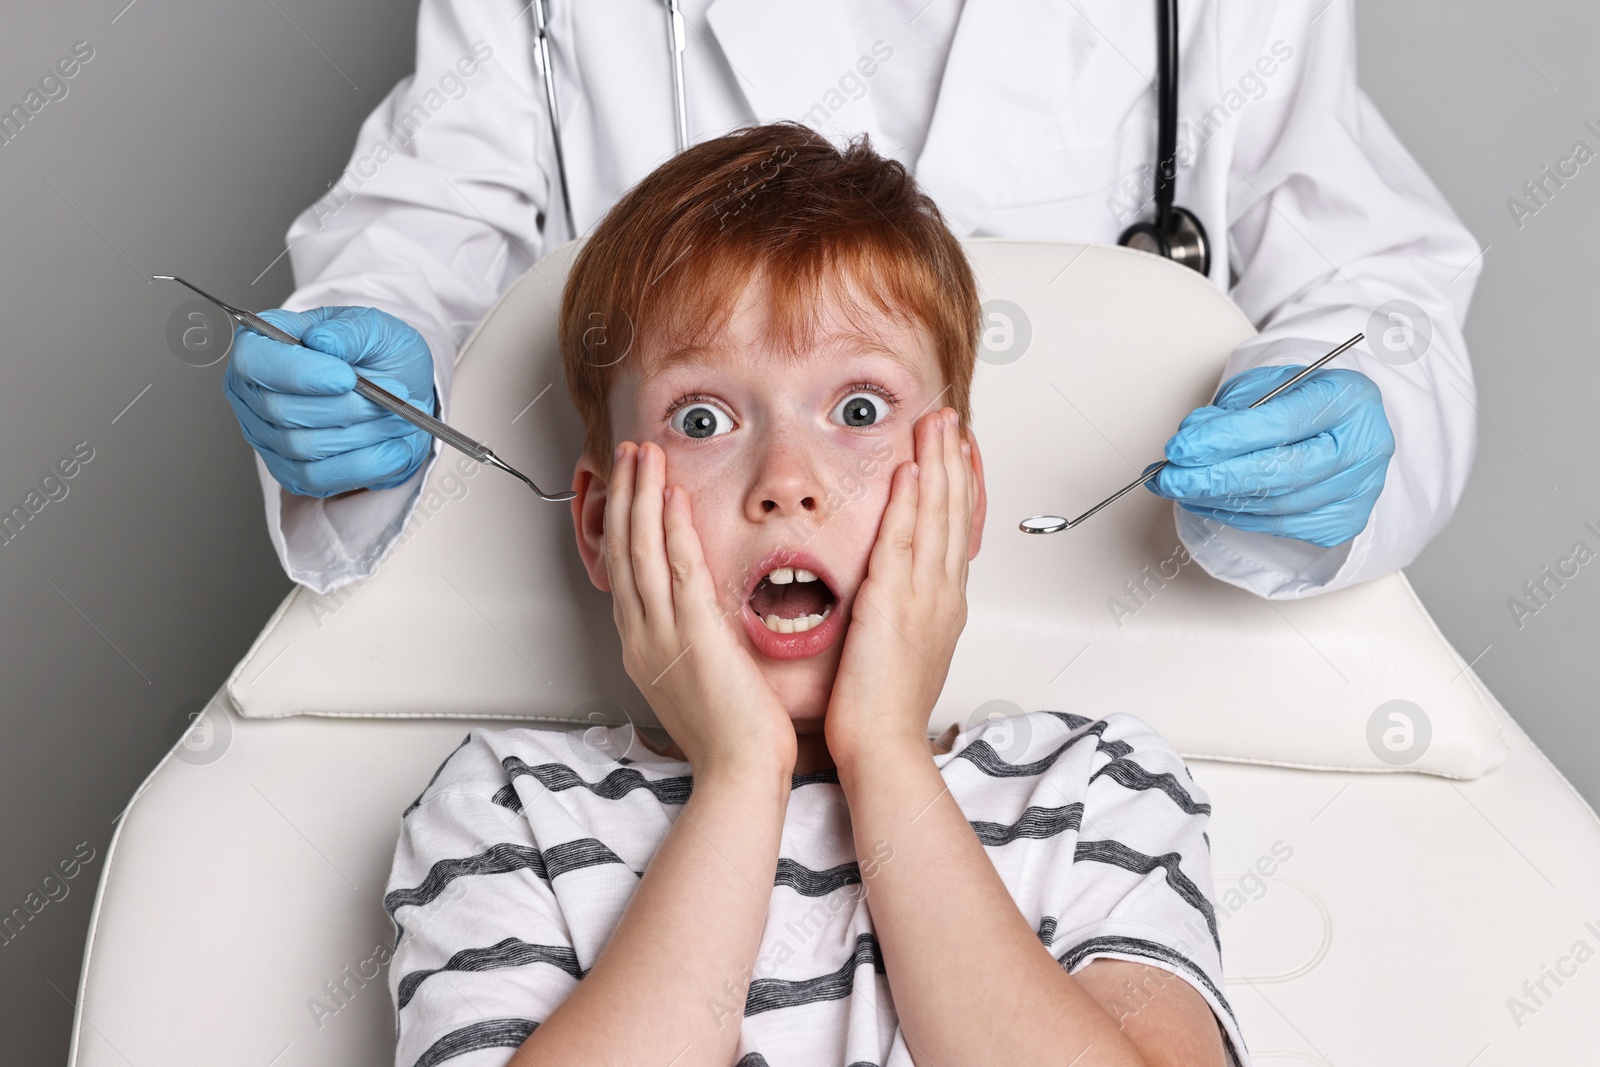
716 498
712 483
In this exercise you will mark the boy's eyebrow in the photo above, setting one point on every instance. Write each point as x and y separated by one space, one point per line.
854 340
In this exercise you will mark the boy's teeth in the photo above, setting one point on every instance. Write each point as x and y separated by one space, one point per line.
803 575
783 576
793 626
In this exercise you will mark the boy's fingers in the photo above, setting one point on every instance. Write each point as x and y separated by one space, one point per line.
647 542
619 506
891 553
972 497
693 598
933 498
960 503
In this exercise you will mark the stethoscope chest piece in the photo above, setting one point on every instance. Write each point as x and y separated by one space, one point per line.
1186 242
1175 233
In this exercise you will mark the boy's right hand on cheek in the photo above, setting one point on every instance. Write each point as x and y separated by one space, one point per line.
702 684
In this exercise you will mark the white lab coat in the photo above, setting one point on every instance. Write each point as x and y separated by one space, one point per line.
1045 123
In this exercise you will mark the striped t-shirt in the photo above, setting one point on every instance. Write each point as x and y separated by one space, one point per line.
516 862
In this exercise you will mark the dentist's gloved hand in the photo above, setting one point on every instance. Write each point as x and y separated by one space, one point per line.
299 410
1308 464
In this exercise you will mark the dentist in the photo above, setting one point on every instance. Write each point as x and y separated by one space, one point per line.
1032 119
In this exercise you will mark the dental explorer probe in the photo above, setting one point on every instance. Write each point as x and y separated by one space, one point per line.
381 396
1044 524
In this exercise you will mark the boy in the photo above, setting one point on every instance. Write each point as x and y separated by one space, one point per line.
771 344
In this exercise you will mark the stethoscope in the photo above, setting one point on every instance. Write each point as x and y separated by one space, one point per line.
676 42
1174 232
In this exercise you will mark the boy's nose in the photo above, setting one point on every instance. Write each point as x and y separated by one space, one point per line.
785 488
806 503
784 484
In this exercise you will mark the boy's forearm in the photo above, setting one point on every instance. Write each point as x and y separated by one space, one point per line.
955 947
670 985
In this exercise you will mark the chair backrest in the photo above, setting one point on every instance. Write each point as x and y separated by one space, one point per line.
1092 356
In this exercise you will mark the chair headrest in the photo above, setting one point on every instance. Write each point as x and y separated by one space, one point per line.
1093 356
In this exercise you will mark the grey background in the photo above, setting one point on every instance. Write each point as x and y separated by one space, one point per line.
197 132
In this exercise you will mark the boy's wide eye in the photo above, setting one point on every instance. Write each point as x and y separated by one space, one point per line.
860 409
701 420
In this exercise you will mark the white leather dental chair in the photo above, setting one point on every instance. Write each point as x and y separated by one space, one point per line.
1383 902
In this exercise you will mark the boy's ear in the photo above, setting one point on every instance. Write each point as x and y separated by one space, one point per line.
980 499
589 520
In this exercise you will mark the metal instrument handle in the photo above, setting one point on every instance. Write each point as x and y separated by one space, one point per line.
1045 524
377 393
419 418
381 396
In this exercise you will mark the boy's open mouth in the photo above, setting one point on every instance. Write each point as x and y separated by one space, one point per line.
792 600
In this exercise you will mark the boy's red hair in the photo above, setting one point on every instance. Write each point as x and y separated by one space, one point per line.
776 203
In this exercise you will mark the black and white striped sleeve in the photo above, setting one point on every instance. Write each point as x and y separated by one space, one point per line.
482 950
1140 885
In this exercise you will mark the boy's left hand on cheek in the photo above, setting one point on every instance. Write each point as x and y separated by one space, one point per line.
912 605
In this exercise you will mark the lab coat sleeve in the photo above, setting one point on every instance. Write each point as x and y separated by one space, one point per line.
440 209
1329 218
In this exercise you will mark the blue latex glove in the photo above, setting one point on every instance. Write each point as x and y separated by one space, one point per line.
1308 464
299 410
